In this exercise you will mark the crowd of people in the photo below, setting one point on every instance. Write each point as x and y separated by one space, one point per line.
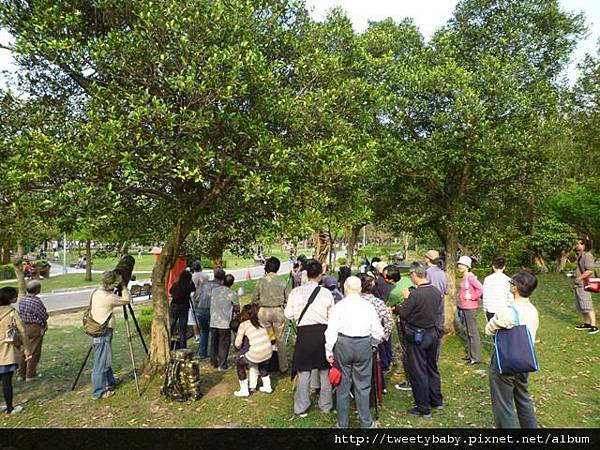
345 323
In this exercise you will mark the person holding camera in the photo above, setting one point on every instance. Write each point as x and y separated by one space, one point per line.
103 301
11 328
419 318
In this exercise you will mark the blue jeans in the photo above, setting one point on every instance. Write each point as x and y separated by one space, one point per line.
102 374
203 319
181 316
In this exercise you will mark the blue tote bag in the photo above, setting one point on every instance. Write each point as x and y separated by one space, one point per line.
514 349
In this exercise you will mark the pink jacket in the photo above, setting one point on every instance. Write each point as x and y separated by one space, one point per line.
475 288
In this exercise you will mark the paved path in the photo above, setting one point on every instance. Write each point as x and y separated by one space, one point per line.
79 298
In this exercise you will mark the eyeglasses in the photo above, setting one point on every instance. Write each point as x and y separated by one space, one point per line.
511 281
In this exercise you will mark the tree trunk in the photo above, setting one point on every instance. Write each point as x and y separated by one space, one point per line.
18 263
450 241
405 237
6 248
88 260
352 241
561 261
322 247
124 250
538 260
160 332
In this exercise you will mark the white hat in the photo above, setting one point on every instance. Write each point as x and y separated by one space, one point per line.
465 261
380 265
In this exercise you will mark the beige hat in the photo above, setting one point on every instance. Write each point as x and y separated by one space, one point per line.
380 265
110 279
432 255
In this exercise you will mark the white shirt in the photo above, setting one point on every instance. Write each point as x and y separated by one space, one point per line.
354 317
496 292
505 317
317 313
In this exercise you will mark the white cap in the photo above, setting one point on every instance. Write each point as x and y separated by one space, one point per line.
465 261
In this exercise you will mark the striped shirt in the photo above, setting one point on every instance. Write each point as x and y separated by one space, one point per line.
496 292
260 345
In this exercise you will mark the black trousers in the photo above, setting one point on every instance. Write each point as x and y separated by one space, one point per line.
7 390
422 369
219 347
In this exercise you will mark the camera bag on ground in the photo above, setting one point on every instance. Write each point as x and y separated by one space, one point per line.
90 326
182 377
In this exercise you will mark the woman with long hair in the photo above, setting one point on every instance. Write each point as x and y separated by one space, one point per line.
180 305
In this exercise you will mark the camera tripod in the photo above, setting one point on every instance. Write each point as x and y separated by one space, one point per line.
128 329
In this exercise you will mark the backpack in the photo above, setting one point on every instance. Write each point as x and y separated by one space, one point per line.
182 377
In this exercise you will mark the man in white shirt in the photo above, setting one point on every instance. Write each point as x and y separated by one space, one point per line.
311 323
354 327
496 289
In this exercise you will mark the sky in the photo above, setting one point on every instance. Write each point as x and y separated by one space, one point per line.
428 15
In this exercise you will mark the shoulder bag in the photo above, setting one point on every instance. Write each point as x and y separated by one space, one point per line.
514 349
90 326
12 333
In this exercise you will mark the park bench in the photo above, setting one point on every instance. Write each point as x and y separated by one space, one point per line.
138 290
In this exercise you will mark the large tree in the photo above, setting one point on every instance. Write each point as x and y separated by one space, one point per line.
465 117
182 106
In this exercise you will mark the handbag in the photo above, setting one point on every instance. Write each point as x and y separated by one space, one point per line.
590 284
90 326
335 376
12 333
514 349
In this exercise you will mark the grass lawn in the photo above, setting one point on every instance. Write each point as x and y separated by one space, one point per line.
565 391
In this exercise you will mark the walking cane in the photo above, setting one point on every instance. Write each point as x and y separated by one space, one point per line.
81 369
374 375
137 386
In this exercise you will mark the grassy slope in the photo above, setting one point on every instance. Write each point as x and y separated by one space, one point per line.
565 391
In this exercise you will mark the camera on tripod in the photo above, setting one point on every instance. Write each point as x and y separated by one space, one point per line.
124 268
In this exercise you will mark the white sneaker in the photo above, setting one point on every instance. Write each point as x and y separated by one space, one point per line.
17 409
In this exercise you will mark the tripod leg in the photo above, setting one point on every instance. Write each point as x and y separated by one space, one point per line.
137 386
81 369
137 327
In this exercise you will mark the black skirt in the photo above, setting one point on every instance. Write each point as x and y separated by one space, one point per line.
309 352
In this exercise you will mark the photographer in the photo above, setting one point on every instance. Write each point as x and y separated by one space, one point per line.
103 301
